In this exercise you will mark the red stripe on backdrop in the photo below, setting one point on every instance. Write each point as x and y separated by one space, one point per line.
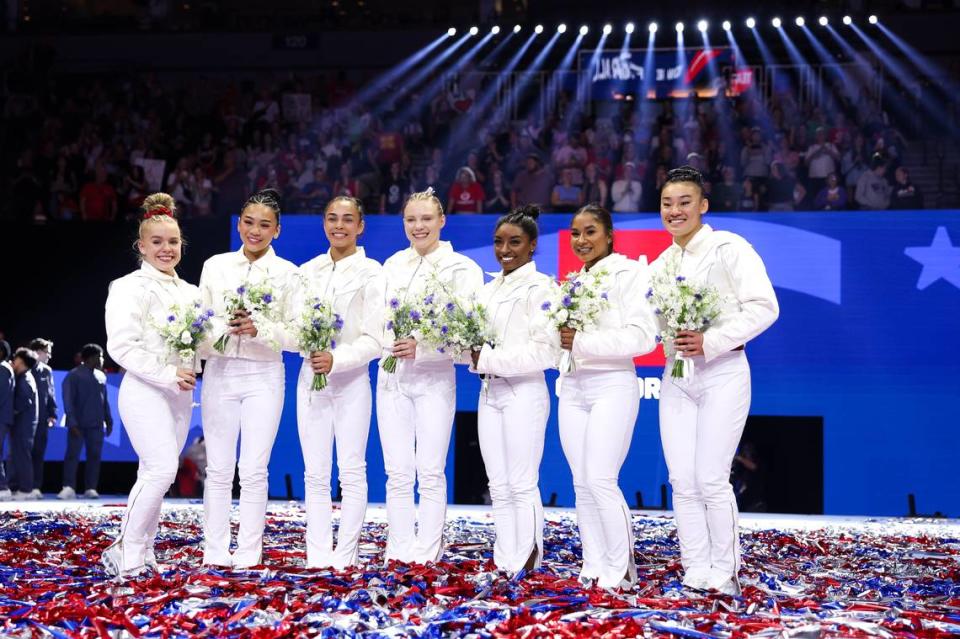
633 244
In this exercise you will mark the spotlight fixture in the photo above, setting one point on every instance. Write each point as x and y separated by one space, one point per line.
516 28
562 28
800 21
495 30
652 28
584 30
629 28
702 26
847 20
607 29
823 21
751 23
872 19
776 22
538 29
726 25
474 31
679 27
452 31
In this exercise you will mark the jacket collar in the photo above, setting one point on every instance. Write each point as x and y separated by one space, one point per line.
608 262
325 260
443 250
517 274
241 258
146 269
699 241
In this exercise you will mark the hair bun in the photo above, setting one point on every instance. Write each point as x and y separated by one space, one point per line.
269 193
158 204
529 210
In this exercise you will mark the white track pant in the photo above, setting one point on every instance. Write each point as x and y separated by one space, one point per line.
701 421
511 425
598 411
240 398
157 422
339 412
415 409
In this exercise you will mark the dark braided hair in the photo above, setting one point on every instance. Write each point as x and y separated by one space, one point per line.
269 198
523 216
686 173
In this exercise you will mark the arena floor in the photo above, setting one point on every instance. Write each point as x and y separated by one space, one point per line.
802 577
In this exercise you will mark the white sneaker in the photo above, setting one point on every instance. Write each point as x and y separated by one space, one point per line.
730 586
36 494
90 493
22 496
6 495
67 493
112 559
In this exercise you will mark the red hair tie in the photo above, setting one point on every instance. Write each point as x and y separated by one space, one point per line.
160 210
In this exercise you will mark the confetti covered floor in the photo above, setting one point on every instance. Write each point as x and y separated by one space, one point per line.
803 578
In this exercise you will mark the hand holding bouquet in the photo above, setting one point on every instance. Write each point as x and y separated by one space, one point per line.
317 330
581 300
183 331
682 305
257 300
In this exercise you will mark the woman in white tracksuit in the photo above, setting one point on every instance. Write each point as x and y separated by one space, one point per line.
600 399
156 392
702 418
514 402
243 387
352 283
416 404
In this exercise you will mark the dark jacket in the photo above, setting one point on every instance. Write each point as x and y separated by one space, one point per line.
85 400
46 393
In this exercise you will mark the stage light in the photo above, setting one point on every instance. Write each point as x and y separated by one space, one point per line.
562 28
847 20
652 28
751 23
872 19
607 29
776 22
538 29
474 31
823 21
516 28
451 32
800 21
679 27
726 25
495 30
702 26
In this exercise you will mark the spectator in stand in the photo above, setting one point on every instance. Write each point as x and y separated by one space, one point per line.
726 195
395 189
389 149
595 189
905 194
822 159
316 193
571 156
132 190
749 198
98 200
466 194
627 193
873 190
755 158
832 197
498 198
230 187
783 189
346 184
653 187
63 190
566 195
533 185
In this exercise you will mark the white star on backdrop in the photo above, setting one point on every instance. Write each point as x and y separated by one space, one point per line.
940 259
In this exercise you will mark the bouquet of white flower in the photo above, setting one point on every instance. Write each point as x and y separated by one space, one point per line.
462 325
578 305
256 299
185 328
406 320
681 305
317 330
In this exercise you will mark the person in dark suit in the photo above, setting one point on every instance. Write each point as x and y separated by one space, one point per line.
6 412
24 421
87 410
46 409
